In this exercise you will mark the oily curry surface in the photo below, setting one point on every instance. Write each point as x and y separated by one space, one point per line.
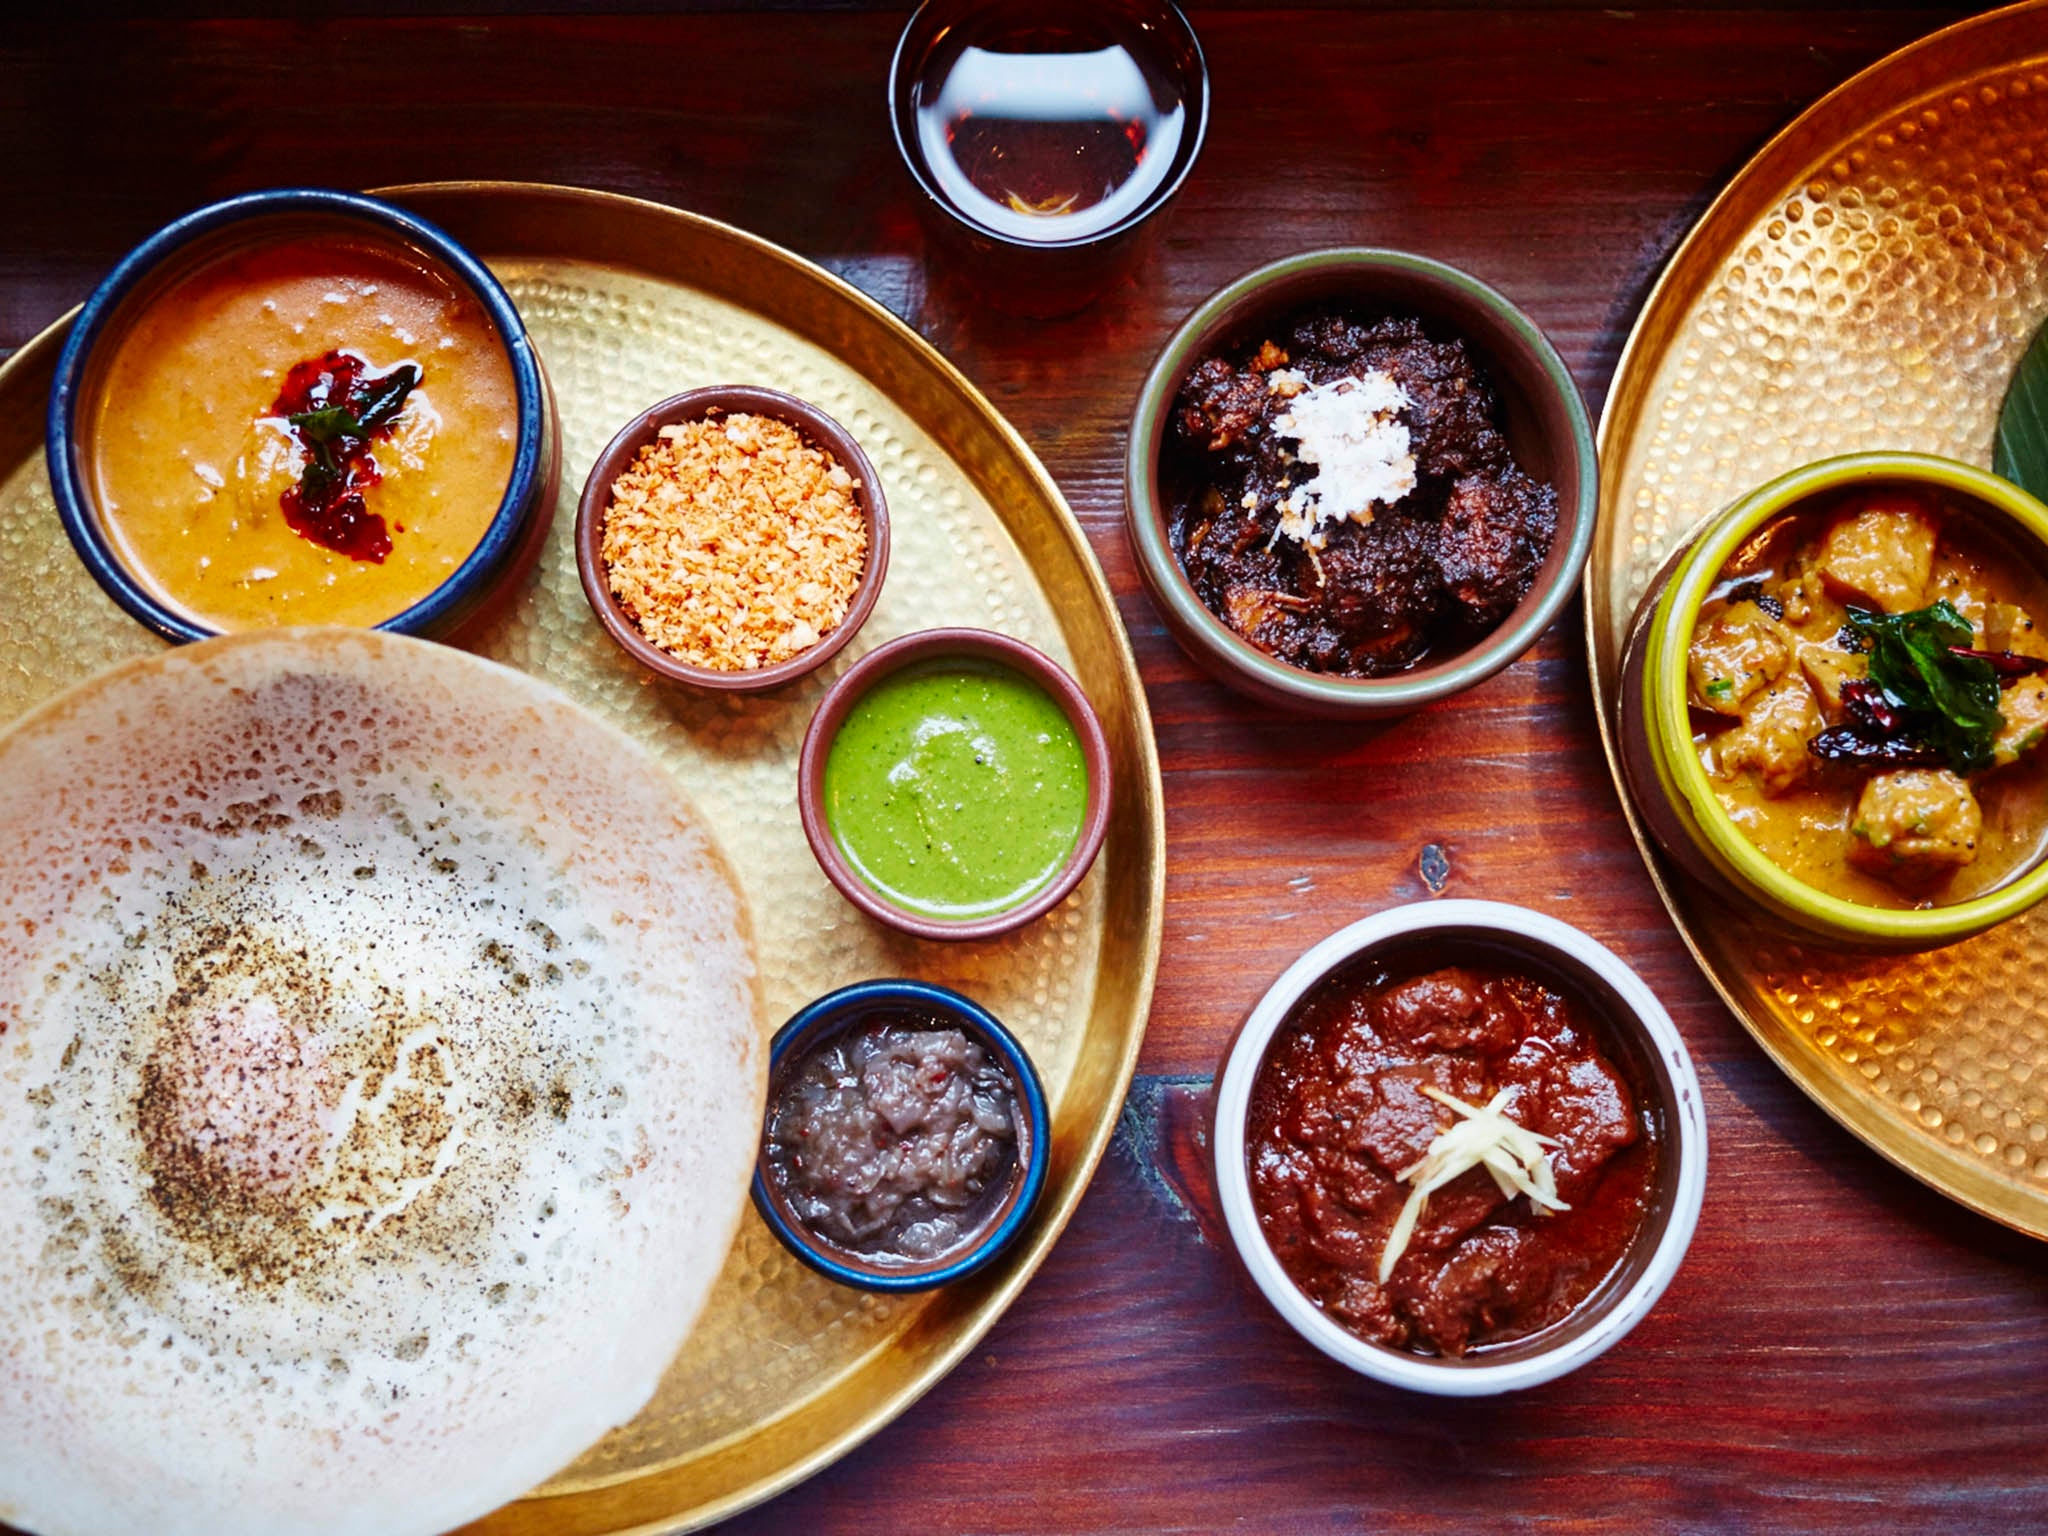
314 431
1814 759
1356 1099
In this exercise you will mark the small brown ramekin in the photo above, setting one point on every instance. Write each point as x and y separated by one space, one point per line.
821 431
933 645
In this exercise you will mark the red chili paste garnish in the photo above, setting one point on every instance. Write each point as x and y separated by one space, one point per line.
337 407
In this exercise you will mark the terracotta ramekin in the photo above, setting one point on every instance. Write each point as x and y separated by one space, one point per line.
820 431
1436 933
938 645
1669 784
510 544
1545 425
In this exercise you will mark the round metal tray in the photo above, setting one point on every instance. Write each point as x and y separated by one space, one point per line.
629 302
1869 280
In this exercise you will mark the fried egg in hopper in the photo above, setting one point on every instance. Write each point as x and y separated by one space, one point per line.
380 1079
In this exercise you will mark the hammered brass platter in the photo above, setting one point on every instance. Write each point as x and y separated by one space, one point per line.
629 302
1868 281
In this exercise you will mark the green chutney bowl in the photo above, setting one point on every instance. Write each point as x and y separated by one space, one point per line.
974 646
1669 784
1543 419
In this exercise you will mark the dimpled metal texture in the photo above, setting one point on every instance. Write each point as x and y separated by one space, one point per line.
775 1335
1870 281
775 1332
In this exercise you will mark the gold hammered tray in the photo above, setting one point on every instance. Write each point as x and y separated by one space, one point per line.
1869 280
629 302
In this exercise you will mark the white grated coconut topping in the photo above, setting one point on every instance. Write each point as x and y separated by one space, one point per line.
1351 430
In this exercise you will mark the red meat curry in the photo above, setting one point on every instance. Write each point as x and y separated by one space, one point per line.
1340 1112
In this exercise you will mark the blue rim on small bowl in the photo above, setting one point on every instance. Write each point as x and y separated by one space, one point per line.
504 542
844 1008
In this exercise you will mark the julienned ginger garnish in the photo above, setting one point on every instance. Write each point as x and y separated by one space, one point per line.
1484 1137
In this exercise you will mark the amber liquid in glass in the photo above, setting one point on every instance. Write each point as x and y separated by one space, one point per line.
1048 123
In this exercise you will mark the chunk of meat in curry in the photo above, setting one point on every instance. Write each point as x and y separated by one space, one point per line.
1771 739
1737 652
1916 824
1880 556
1339 1114
2023 713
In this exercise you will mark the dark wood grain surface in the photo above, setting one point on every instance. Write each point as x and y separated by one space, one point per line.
1843 1349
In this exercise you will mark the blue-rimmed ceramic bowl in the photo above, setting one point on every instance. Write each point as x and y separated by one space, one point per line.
851 1007
511 542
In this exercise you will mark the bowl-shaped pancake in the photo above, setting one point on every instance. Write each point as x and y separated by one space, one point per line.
380 1079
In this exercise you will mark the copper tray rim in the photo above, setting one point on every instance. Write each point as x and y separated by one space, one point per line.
1934 1165
1018 1267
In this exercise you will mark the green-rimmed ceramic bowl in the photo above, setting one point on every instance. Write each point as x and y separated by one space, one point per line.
1669 784
1544 422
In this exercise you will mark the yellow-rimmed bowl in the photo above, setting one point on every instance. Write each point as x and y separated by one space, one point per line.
1668 782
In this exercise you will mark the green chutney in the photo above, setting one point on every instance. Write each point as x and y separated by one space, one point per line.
957 788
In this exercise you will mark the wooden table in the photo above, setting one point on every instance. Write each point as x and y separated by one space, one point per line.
1843 1348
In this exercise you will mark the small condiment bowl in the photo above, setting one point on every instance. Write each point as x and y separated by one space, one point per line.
1053 277
846 1008
1446 933
512 541
821 432
1544 421
935 645
1666 779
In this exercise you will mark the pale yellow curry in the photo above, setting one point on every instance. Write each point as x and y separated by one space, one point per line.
1868 688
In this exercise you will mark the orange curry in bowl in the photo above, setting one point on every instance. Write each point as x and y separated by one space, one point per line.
313 431
1869 693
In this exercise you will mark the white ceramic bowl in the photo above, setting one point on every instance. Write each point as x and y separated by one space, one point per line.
1457 931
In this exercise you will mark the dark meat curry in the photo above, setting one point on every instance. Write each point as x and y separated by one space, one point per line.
1869 687
1343 497
895 1139
1368 1081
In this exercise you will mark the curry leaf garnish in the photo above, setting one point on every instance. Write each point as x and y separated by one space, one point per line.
1947 702
321 472
2020 450
380 403
327 423
382 398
